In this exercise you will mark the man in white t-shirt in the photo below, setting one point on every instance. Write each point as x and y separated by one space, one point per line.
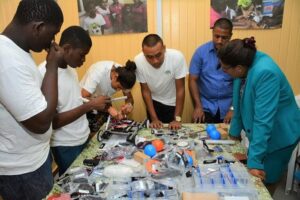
71 130
27 101
161 73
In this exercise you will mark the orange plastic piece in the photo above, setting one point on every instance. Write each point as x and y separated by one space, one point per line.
158 144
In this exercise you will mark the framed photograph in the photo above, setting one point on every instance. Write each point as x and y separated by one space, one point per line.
248 14
104 17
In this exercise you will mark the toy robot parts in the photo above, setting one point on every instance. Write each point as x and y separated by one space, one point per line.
158 144
150 150
212 132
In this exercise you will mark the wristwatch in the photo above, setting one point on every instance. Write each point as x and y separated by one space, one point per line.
177 118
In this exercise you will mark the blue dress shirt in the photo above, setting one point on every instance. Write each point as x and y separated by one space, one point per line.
214 84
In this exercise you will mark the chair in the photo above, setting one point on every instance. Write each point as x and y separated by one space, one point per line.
291 170
292 163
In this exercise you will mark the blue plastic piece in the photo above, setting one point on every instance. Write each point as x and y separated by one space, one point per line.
190 160
150 150
214 135
210 127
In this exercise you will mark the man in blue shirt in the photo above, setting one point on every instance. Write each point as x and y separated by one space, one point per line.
210 87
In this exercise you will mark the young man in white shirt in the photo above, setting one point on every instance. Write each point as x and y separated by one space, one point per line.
70 125
161 73
27 101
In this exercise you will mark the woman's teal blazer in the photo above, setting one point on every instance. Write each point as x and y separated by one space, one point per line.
266 109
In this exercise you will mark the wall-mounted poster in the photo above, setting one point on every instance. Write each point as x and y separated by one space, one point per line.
249 14
103 17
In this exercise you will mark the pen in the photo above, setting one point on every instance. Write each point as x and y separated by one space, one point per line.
85 100
107 123
118 98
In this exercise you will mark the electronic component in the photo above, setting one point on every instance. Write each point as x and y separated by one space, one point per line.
91 162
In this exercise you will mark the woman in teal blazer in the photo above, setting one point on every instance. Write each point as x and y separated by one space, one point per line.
264 107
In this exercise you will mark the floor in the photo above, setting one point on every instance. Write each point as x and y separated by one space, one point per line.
281 195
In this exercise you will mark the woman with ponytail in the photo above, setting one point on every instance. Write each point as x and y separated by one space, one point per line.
105 78
264 107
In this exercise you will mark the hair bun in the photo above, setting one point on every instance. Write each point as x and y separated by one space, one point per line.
130 65
250 43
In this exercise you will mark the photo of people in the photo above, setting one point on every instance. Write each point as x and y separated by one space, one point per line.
249 14
104 17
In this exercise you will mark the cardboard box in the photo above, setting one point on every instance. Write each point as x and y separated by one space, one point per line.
199 196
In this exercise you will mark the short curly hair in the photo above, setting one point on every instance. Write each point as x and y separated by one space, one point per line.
47 11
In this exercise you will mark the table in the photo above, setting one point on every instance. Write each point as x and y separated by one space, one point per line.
93 148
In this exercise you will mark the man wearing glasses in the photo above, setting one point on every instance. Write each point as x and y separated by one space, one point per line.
161 73
210 86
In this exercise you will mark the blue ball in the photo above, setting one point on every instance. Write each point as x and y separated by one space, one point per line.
215 135
150 150
210 127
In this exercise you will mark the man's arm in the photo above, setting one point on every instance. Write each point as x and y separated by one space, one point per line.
146 93
180 95
41 122
198 114
228 116
64 118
